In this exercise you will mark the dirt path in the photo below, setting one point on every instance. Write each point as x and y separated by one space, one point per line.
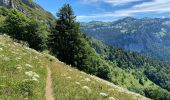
48 90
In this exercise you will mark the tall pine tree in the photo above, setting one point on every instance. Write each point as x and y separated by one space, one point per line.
69 45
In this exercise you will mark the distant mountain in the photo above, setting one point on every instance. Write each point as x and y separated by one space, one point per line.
29 8
149 36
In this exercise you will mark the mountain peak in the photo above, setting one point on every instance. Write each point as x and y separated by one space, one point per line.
129 19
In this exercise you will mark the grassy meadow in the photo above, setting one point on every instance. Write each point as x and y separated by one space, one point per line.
23 77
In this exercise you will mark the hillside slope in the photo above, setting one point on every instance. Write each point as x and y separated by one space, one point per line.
23 75
149 36
30 8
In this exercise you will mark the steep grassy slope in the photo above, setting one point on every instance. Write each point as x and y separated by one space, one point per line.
23 74
71 84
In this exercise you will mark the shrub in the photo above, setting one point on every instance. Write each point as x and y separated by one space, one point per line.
20 27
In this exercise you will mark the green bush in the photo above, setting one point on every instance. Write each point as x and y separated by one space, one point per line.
22 28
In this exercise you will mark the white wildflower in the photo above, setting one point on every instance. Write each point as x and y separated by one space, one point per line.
36 75
15 44
1 49
87 89
32 74
6 59
18 58
34 79
28 65
87 79
112 98
19 68
69 77
77 83
103 94
111 89
35 57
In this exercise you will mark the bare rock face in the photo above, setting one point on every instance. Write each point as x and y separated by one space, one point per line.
8 3
11 4
3 2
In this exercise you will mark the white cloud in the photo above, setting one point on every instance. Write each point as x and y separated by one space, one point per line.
156 6
119 2
112 2
103 16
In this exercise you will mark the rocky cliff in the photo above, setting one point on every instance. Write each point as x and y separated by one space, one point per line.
29 8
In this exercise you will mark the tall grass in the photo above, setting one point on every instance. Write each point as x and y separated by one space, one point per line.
22 72
71 84
23 76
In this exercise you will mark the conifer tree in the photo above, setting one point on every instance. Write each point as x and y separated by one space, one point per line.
69 44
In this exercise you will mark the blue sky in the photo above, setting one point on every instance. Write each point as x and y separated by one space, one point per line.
110 10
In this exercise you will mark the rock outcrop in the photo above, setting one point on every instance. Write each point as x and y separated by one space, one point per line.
8 3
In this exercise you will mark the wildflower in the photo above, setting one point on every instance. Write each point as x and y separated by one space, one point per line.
112 98
32 74
69 77
6 59
87 79
15 44
1 49
77 83
28 65
87 89
103 94
36 75
18 58
111 90
34 79
19 68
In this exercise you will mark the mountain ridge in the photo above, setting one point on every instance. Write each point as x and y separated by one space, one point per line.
149 36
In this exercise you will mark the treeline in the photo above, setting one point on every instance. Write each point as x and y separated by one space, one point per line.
156 71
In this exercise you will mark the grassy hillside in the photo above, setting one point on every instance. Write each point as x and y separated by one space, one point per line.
23 74
22 71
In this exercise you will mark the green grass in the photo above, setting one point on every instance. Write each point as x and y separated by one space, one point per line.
71 84
23 76
15 62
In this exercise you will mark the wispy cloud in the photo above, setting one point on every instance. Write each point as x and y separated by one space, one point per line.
154 6
112 2
120 2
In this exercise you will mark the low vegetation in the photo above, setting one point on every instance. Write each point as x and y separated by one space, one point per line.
71 84
23 71
23 74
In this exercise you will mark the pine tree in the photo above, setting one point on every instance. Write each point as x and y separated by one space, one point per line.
69 44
